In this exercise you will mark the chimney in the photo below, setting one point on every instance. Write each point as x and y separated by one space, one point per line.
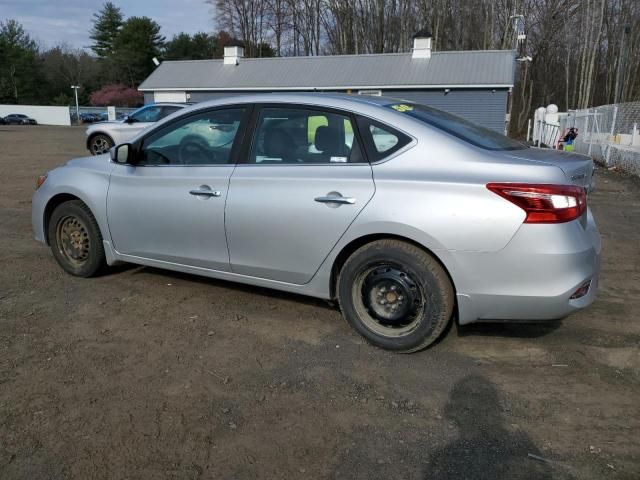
233 53
421 44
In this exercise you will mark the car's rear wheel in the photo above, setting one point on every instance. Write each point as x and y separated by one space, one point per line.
100 144
75 238
395 295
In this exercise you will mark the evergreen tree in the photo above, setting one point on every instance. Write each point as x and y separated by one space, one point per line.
200 46
138 42
179 47
106 26
20 71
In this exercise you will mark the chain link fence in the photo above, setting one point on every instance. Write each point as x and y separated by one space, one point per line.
610 134
96 114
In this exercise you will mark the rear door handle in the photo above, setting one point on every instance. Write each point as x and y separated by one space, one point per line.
205 193
336 199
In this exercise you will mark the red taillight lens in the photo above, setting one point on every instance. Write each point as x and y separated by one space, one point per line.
544 203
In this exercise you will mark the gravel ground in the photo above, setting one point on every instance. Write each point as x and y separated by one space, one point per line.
149 374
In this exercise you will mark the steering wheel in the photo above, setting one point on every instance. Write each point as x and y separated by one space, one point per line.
194 149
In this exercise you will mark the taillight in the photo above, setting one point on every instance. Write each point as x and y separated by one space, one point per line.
544 203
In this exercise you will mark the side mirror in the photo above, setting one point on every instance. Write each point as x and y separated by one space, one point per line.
121 153
128 119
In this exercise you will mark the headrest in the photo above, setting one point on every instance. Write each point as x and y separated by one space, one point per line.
277 143
327 139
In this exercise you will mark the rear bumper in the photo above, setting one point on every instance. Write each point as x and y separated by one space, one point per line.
533 277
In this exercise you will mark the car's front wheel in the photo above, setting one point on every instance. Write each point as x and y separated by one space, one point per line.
395 295
100 144
75 238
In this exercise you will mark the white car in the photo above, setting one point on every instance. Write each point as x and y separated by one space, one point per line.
104 135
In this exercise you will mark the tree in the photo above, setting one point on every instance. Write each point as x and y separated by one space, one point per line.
138 42
246 19
117 95
64 66
203 45
183 46
106 26
19 68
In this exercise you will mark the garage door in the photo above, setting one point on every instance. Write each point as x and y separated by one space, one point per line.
174 97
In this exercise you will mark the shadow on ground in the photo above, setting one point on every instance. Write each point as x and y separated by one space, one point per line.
486 447
237 287
509 330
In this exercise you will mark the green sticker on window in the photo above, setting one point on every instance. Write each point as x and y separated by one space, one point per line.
401 107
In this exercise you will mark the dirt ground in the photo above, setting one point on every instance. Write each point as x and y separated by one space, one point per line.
148 374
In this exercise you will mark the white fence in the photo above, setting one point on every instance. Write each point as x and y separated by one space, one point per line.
608 133
42 115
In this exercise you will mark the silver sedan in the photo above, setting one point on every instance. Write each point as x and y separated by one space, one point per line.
406 215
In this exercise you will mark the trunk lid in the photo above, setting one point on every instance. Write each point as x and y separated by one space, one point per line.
577 168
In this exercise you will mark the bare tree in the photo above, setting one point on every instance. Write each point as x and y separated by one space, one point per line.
585 52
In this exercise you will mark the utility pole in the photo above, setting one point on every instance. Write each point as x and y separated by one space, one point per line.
519 39
75 89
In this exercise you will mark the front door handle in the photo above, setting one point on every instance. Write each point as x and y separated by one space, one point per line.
336 199
205 193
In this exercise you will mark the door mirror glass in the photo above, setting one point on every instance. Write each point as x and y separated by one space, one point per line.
120 153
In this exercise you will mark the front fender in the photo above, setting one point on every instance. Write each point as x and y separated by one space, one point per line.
88 185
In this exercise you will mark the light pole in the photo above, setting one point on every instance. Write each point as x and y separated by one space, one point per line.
75 89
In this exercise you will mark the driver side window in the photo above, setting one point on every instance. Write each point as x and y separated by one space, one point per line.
202 139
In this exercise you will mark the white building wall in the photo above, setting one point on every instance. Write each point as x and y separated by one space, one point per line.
43 115
172 97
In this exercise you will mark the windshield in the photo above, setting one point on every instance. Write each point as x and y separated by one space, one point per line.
464 129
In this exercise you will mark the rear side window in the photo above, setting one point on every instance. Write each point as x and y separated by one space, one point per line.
459 127
381 140
287 135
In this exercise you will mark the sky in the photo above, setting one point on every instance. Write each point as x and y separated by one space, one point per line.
53 22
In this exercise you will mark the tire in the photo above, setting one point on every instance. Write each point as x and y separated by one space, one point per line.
99 144
396 295
75 239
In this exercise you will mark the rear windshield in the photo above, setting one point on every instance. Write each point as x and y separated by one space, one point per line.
464 129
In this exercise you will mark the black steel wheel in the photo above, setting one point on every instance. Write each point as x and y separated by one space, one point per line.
395 295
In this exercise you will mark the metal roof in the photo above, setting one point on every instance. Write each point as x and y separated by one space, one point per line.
478 68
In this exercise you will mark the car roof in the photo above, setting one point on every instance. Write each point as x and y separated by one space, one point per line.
366 105
167 104
355 103
310 98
